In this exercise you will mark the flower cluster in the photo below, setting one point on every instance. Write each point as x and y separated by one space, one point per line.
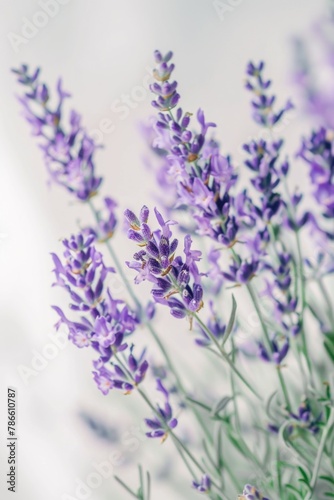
279 291
214 324
204 485
255 232
203 176
315 92
304 418
68 150
104 323
251 493
156 262
164 419
262 104
317 151
279 347
263 159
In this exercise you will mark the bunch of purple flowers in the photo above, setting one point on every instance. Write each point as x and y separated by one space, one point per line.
156 261
255 237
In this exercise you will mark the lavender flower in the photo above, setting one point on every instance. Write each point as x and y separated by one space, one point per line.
305 419
202 175
156 262
167 96
242 272
317 151
262 104
104 323
263 162
280 291
204 485
117 378
279 349
251 493
215 325
68 150
105 228
164 420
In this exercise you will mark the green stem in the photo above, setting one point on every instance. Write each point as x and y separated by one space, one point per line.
321 448
176 440
116 261
267 339
303 297
237 420
126 487
225 356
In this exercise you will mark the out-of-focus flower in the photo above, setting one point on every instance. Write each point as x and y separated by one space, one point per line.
68 150
263 104
107 221
104 323
251 493
204 485
318 152
279 350
305 419
164 419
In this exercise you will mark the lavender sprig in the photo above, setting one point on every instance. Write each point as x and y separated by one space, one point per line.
102 322
68 149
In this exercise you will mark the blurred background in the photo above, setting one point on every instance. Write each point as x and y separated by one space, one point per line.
103 51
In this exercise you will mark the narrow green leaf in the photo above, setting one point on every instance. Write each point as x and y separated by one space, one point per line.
220 405
148 478
198 403
304 474
126 487
327 478
329 346
272 416
231 321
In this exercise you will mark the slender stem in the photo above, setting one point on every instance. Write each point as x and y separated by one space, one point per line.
303 297
125 486
295 346
178 443
284 388
292 214
176 440
259 313
225 356
237 420
321 448
116 261
266 335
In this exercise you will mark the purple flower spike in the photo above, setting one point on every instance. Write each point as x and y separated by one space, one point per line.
159 425
107 221
68 150
262 103
306 419
170 274
204 485
104 323
279 350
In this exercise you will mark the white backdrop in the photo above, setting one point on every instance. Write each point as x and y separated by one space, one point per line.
103 50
